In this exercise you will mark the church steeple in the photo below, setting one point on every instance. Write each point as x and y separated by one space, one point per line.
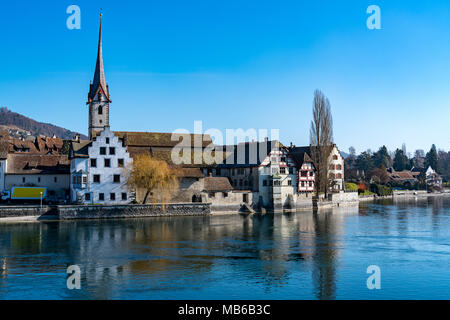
99 82
98 97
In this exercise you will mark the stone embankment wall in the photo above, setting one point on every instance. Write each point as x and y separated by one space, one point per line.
26 211
107 211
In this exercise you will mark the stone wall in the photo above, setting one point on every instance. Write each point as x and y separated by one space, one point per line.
26 211
107 211
230 201
134 210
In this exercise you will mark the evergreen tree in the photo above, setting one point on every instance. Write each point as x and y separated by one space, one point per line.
401 161
431 159
382 158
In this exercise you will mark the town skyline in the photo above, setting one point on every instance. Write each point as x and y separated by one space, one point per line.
252 84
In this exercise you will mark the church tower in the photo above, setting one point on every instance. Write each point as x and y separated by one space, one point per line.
98 97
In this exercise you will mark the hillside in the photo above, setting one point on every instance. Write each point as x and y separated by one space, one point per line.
17 122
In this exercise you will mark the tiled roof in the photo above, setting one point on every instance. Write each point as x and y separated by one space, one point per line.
219 184
37 164
80 149
300 155
157 139
191 173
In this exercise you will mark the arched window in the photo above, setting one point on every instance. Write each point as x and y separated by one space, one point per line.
100 110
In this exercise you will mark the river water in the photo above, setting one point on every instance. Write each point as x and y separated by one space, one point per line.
275 256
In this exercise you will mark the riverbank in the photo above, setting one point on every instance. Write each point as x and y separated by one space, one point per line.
71 212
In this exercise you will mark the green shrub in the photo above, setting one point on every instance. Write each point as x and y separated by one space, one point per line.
381 190
351 187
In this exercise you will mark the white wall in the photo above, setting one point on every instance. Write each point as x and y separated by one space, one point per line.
107 184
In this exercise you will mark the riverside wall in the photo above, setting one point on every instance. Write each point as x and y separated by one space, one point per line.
70 212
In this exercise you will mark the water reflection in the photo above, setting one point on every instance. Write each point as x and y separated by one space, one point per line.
272 256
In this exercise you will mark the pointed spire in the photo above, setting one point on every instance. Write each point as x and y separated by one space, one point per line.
99 75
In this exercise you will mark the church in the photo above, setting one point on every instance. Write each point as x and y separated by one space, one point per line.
98 170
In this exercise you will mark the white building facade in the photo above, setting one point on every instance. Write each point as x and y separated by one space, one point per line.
101 175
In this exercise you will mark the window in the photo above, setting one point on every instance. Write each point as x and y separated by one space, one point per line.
55 179
311 173
39 179
303 183
78 180
283 159
93 163
282 170
212 194
112 196
117 178
23 179
100 110
102 150
107 163
101 196
87 196
120 163
335 157
276 183
339 167
124 196
84 179
310 184
289 182
107 140
96 178
304 173
74 180
240 182
112 150
225 194
291 170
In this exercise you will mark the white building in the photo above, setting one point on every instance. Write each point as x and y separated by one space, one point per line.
99 170
336 170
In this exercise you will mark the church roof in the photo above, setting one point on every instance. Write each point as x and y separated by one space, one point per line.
99 82
158 139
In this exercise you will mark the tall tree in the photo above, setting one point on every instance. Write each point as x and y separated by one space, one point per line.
321 140
365 162
400 160
431 159
382 158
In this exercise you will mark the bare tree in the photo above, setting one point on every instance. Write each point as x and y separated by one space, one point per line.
321 140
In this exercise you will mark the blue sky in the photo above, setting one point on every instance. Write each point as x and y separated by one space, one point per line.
237 64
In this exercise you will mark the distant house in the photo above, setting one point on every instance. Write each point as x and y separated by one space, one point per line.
433 179
403 178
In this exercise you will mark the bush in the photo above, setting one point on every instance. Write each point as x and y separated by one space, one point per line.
351 187
381 190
